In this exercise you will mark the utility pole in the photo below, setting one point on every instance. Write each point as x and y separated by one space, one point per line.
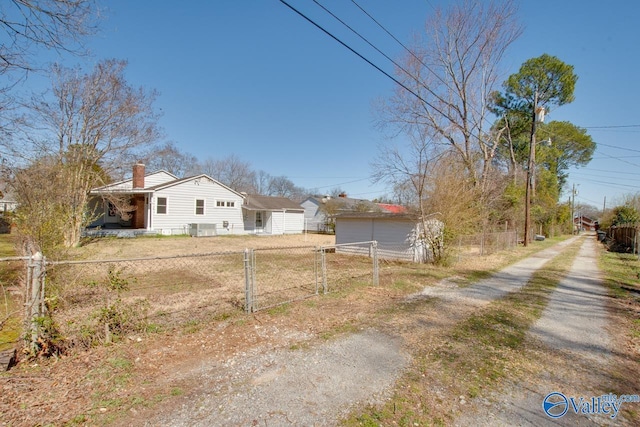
531 166
573 203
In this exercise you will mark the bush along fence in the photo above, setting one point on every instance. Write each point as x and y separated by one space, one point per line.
90 302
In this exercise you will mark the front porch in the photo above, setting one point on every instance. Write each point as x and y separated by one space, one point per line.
116 230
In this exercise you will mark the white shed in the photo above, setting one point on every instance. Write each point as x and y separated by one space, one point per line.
396 234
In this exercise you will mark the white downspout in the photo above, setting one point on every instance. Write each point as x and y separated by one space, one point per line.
150 211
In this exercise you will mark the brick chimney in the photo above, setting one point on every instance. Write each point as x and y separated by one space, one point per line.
138 175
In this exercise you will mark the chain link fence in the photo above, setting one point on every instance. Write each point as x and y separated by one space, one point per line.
484 244
13 277
93 301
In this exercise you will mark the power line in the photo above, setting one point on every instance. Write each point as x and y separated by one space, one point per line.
609 171
354 52
412 53
618 148
611 127
620 160
612 184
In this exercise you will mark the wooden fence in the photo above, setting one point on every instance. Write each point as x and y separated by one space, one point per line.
624 238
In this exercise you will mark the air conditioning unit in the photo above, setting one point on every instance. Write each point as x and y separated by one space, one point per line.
202 230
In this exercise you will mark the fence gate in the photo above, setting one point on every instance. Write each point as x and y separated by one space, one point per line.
280 275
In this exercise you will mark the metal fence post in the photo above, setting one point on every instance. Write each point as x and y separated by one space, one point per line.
35 297
324 270
374 250
248 288
315 265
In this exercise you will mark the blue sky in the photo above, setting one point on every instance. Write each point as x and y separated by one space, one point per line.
253 79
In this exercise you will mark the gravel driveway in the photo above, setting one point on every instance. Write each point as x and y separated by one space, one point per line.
572 328
302 387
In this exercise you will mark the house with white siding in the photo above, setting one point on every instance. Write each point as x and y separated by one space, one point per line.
161 203
398 236
319 211
272 215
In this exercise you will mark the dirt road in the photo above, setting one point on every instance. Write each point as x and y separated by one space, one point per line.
574 327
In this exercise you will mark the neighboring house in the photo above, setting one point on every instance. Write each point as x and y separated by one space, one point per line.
7 201
396 234
396 209
583 223
164 204
319 211
272 215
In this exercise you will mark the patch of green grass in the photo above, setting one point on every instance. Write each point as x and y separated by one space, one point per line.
622 277
280 309
177 391
298 346
120 363
311 303
221 317
77 420
192 326
10 306
405 286
11 330
153 328
622 273
7 245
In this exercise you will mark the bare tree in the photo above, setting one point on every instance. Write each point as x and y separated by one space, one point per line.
26 28
262 182
451 72
28 25
407 170
232 172
168 157
284 187
91 125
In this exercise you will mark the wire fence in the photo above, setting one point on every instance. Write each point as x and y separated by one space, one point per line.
484 244
93 301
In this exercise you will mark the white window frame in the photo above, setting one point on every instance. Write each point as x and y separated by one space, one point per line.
166 205
225 203
204 203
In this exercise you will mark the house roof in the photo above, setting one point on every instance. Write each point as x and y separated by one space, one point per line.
109 188
191 178
254 202
126 185
584 219
377 215
396 209
6 195
347 203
